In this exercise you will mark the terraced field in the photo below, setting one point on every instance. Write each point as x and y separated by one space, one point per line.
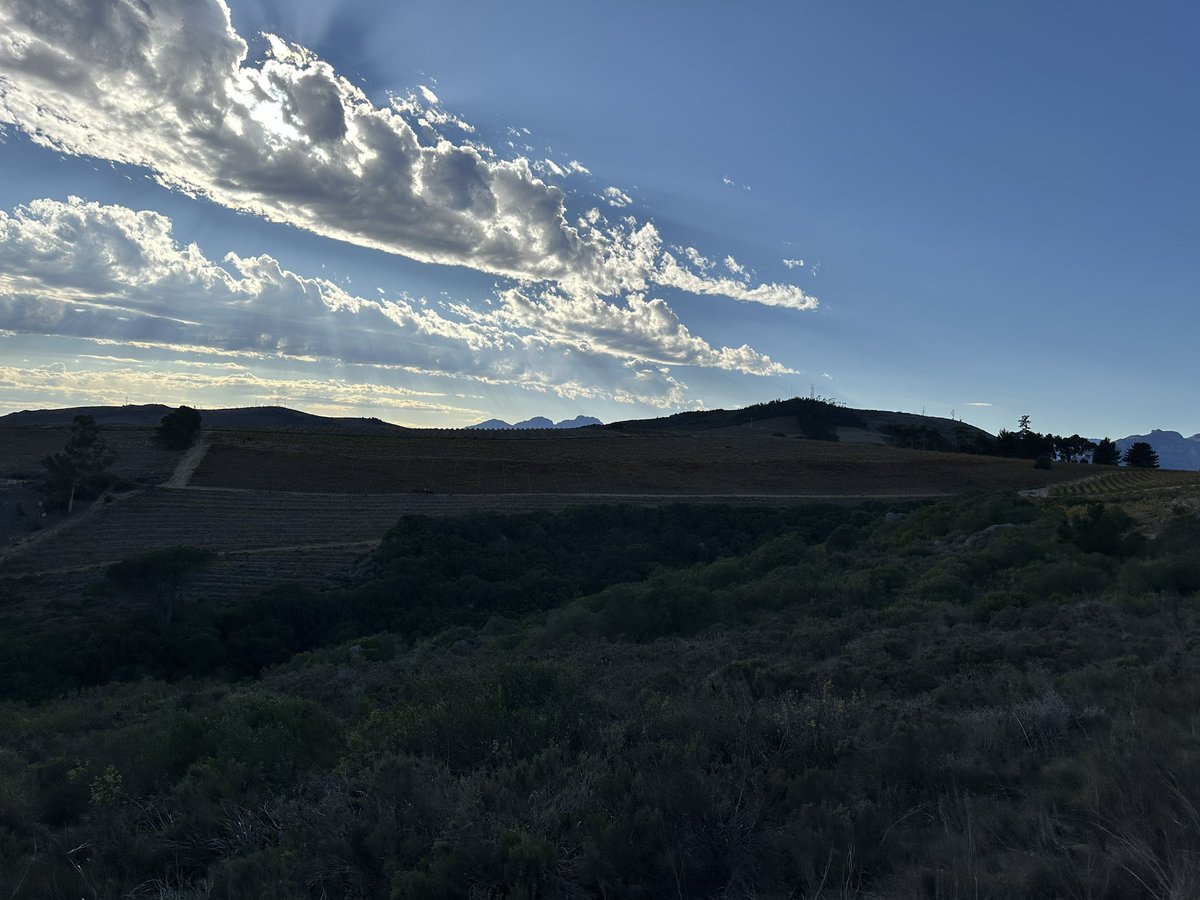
139 457
283 506
602 461
261 538
1122 482
254 525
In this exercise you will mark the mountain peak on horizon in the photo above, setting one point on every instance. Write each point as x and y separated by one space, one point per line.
536 422
1174 450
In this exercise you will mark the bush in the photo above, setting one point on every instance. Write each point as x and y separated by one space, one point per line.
178 430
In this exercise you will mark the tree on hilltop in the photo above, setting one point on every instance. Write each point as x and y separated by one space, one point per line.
79 464
1140 455
177 430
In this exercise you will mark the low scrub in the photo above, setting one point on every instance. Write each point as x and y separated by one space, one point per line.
987 697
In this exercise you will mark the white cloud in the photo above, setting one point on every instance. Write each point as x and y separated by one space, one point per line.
737 268
206 384
979 404
617 197
429 95
167 86
647 330
701 262
769 294
84 270
794 263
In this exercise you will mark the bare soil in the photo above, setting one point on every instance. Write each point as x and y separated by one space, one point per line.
599 461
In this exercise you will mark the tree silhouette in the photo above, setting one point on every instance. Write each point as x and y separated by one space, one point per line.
1106 453
1074 448
178 429
84 458
1141 455
159 575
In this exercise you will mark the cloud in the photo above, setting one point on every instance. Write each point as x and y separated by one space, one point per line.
648 330
794 263
85 270
769 294
210 385
979 404
167 86
737 268
617 197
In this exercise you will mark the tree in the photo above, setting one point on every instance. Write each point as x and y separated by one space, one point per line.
1074 448
78 464
178 429
1106 453
159 575
1140 455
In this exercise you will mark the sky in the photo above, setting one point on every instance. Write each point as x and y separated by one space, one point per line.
440 213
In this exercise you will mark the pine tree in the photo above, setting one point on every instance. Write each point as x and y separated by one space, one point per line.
84 457
1141 455
1106 453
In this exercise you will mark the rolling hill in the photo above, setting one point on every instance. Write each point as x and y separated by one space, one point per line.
248 417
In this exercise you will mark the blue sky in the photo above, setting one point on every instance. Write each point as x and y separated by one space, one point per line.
439 213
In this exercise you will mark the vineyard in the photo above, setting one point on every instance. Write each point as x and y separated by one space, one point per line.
139 457
1122 482
602 461
261 538
279 506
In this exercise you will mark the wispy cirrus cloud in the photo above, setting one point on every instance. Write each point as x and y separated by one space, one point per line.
168 86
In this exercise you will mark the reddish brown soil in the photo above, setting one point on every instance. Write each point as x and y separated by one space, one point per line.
597 461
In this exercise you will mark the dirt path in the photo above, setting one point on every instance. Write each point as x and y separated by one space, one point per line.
67 523
188 464
219 554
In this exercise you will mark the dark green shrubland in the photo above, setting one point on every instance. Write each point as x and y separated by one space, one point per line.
986 698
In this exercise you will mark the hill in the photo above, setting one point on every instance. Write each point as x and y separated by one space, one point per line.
246 417
825 420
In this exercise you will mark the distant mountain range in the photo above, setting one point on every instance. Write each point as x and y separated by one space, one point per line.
538 422
1174 450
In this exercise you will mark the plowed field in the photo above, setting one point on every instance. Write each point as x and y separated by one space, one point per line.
601 461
